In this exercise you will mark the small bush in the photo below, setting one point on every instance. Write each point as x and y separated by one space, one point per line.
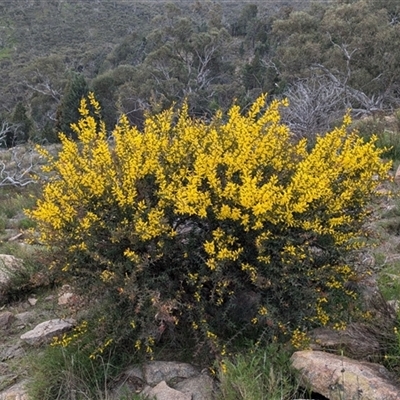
14 200
389 140
3 224
208 231
387 137
67 373
368 127
391 359
26 277
26 223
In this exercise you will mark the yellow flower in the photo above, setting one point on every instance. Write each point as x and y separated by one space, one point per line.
107 276
138 344
263 310
223 367
300 340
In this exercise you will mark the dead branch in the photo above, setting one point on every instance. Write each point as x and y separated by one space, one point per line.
315 104
19 166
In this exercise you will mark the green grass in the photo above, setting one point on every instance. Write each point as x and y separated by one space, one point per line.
390 140
3 224
389 283
26 223
253 374
67 374
389 276
387 258
5 53
258 373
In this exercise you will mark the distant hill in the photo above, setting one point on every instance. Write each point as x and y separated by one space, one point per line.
137 55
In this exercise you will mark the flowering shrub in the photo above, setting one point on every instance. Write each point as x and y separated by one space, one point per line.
220 229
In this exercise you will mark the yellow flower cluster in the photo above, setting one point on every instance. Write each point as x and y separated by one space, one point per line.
300 340
150 342
246 169
66 339
221 249
100 350
107 276
322 316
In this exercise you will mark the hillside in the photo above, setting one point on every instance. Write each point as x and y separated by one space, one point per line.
138 56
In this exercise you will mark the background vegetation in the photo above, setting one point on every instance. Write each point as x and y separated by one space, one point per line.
139 56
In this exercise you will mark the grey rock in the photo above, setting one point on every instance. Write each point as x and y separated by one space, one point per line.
45 331
397 175
15 392
155 372
184 382
8 264
200 387
24 318
8 352
65 298
358 341
7 380
134 372
130 381
395 304
32 301
163 392
4 368
338 377
6 319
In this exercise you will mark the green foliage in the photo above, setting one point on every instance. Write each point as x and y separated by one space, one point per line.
184 62
24 125
80 365
386 259
254 75
131 51
389 281
47 77
202 51
336 37
207 231
368 127
390 141
245 20
68 113
26 223
5 53
30 275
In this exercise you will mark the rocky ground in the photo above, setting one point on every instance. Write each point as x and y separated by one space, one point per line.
26 326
